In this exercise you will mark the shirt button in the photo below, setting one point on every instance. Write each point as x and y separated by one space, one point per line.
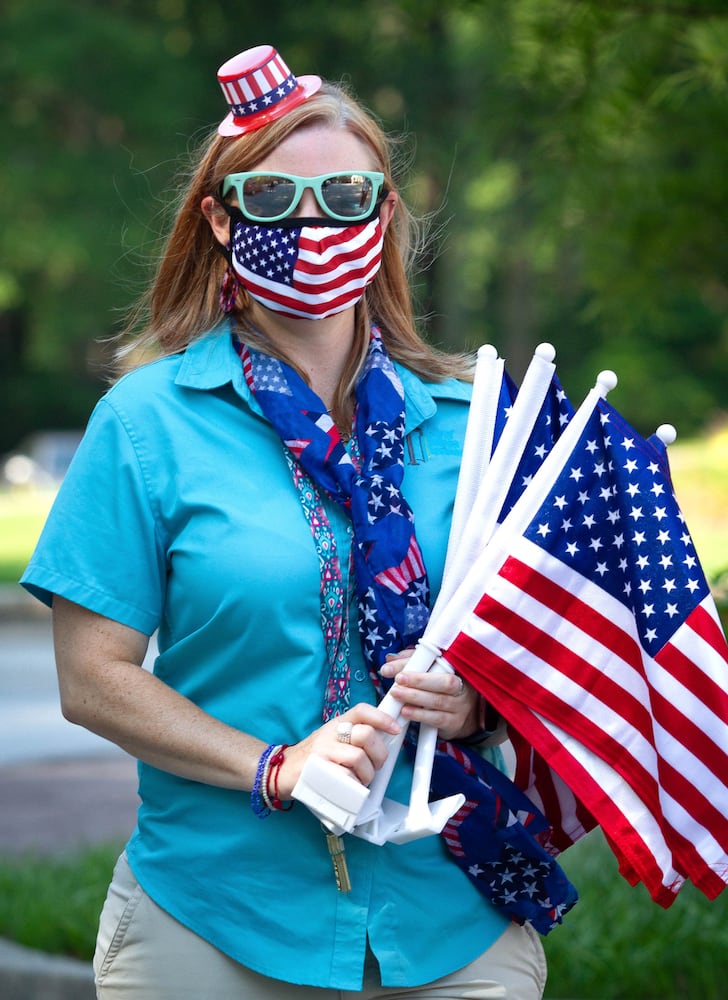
360 675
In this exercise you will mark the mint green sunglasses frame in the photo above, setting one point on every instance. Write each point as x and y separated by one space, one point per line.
316 184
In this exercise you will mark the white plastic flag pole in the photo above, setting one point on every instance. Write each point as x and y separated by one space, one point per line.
477 448
421 661
424 817
491 496
478 442
667 434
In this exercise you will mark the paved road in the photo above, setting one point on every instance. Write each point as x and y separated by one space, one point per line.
31 724
60 806
61 787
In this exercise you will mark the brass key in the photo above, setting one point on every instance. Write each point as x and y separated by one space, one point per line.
337 850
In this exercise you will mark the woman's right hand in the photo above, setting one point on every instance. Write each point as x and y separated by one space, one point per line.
363 755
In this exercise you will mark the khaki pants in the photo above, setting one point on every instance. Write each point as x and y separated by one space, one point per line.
144 954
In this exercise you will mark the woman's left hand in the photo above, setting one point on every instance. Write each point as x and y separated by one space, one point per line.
442 700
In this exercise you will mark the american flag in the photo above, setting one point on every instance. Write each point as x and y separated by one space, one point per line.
555 413
597 638
535 421
324 267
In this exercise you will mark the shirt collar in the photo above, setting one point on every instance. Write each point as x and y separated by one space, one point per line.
421 398
211 362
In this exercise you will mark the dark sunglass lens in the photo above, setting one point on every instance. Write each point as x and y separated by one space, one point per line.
267 197
349 195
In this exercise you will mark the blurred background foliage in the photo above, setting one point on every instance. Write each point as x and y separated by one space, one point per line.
574 155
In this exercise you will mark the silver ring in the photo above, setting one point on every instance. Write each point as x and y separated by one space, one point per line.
343 732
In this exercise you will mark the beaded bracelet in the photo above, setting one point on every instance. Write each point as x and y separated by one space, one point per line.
259 801
275 761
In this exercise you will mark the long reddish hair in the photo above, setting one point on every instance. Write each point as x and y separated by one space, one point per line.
182 302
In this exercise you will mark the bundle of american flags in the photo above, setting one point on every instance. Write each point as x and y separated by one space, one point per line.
576 604
573 600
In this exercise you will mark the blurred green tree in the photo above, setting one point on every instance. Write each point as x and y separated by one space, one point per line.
573 154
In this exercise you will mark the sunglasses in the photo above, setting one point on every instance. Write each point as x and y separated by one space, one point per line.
271 196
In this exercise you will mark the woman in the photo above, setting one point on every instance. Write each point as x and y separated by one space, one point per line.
241 495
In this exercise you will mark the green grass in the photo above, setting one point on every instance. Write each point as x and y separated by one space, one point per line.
53 904
616 944
700 477
22 514
699 469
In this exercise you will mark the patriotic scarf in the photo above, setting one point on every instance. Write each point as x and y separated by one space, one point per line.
493 837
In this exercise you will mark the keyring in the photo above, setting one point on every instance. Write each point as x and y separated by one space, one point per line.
343 732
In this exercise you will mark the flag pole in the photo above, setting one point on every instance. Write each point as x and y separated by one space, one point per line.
478 442
489 500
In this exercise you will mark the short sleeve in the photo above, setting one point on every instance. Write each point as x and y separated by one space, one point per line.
101 547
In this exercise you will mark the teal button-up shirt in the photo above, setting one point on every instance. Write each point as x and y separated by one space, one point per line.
179 515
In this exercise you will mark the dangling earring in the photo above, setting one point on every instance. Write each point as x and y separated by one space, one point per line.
229 290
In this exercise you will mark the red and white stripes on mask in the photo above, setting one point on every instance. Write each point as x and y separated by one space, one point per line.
309 272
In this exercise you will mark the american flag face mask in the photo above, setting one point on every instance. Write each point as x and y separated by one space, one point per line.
308 272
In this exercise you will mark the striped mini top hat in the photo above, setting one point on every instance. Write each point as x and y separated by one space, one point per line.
259 87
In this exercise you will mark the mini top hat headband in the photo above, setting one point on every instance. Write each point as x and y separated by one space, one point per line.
259 87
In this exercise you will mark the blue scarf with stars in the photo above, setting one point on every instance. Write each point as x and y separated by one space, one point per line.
494 837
